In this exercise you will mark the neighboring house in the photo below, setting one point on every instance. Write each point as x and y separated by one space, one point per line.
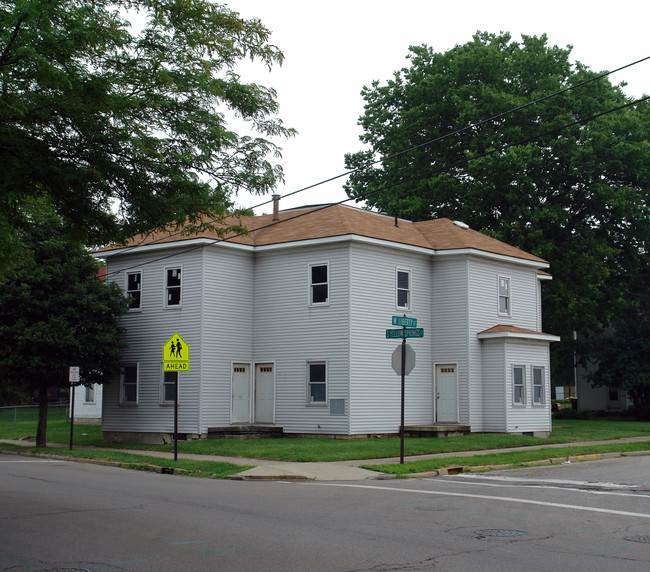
602 398
287 328
87 404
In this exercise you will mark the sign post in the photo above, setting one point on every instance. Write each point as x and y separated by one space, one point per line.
176 358
408 330
73 378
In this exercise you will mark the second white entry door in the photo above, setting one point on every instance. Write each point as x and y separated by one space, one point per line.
264 393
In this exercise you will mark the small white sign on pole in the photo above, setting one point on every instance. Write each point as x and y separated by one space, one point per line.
74 374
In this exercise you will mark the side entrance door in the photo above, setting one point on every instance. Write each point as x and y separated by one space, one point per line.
241 393
264 392
447 393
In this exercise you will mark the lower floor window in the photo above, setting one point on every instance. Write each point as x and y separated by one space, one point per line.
90 394
518 385
538 385
129 384
317 382
169 386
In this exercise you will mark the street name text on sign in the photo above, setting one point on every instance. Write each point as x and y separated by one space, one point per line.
404 321
405 333
176 354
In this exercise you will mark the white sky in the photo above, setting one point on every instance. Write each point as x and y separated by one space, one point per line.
332 49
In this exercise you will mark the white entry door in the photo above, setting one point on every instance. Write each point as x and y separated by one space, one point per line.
447 393
264 393
241 393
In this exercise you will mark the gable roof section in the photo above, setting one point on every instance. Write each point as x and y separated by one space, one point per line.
332 221
508 331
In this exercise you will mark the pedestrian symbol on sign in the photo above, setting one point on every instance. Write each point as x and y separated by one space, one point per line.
176 354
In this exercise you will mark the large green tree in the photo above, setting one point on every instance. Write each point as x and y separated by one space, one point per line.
577 196
56 313
119 112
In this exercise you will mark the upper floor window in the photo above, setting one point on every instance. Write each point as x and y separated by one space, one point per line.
318 284
519 385
134 289
504 296
129 384
538 386
404 289
173 287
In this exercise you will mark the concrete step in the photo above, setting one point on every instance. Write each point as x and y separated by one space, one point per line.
245 432
436 430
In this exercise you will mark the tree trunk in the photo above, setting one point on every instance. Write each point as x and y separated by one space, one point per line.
41 428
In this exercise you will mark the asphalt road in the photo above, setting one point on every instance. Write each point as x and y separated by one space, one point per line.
584 517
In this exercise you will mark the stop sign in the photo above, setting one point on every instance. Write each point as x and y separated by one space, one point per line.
409 360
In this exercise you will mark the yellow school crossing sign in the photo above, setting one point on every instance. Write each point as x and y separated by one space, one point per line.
176 354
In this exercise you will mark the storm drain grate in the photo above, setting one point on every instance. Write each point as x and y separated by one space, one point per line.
643 539
498 532
64 570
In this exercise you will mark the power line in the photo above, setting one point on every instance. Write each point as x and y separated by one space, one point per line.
469 127
502 148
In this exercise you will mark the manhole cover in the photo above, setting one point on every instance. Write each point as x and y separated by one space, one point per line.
498 532
644 539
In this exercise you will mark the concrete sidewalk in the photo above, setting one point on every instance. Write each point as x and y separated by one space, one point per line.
334 470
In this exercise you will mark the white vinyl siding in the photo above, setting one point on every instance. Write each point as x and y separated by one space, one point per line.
528 419
227 331
495 401
145 334
290 333
483 280
375 387
449 334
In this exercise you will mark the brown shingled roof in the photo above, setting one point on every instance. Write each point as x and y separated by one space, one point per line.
328 221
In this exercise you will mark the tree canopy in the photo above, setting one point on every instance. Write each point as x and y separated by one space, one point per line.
577 196
56 313
118 111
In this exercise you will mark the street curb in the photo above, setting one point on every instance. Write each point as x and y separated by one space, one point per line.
443 472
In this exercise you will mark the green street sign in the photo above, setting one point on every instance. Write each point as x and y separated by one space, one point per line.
405 333
404 321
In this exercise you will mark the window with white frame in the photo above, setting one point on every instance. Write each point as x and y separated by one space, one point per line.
504 296
89 396
134 289
519 385
169 386
129 384
317 382
538 385
403 281
173 286
318 284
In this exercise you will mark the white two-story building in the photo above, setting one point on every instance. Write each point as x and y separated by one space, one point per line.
287 328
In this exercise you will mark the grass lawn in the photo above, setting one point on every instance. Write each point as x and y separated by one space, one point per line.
324 449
